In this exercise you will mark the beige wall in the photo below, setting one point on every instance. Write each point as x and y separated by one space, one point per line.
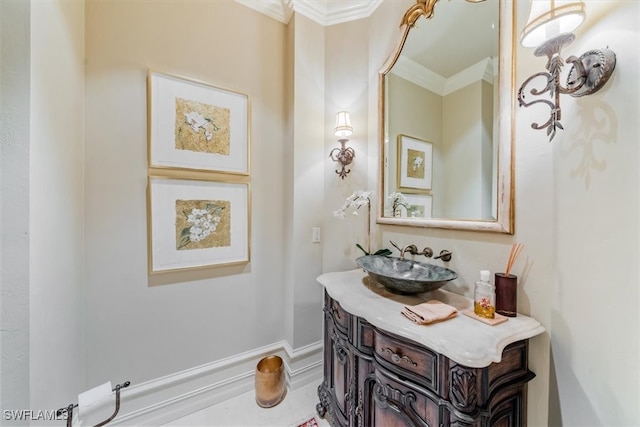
346 88
408 103
467 152
489 173
461 151
306 184
141 328
15 49
595 377
56 198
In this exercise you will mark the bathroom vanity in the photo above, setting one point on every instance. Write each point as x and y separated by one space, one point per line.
381 369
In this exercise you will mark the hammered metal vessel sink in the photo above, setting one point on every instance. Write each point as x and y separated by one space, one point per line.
403 276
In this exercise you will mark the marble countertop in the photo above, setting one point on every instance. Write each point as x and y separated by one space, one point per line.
462 339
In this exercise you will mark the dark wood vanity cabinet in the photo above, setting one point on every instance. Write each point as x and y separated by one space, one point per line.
375 378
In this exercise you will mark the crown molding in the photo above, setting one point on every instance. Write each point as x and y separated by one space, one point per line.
482 70
412 71
416 73
277 9
324 12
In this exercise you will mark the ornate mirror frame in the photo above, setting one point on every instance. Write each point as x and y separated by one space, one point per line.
505 191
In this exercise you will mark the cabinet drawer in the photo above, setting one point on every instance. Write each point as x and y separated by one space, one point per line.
407 359
363 339
340 317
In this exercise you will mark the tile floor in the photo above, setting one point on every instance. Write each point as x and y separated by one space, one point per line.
297 406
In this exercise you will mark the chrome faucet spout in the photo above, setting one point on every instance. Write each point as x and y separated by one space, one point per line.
412 249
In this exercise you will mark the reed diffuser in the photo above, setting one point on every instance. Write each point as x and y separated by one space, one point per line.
507 285
516 248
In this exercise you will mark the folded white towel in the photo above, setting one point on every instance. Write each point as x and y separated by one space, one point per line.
429 312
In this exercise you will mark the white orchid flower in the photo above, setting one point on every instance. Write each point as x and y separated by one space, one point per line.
417 162
195 120
356 200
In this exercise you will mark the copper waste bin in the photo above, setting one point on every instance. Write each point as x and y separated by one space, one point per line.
270 382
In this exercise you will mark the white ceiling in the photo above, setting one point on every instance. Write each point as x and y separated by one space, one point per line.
324 12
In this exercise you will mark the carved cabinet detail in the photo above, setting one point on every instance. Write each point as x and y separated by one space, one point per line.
375 378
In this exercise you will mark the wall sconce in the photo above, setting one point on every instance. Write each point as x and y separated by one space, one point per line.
343 155
550 27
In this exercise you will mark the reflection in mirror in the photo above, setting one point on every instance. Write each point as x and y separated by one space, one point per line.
445 121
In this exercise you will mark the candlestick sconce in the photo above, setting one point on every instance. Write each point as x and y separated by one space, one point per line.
550 27
343 155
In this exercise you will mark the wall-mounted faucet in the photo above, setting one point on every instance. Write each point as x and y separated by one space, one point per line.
413 250
445 255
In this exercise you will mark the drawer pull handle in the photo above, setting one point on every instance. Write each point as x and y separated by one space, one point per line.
396 358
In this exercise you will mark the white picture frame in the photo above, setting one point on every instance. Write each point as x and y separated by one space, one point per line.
197 223
415 164
195 125
419 206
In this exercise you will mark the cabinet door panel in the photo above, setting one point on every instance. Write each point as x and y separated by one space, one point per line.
341 372
393 403
509 408
340 375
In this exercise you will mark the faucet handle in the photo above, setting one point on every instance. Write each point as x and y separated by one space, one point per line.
445 255
395 245
428 252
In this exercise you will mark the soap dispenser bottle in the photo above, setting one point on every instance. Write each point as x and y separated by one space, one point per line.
484 297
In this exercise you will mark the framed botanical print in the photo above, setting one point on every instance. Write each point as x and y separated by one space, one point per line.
415 161
419 205
195 223
194 125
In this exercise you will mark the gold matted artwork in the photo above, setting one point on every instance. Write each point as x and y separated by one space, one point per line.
415 160
196 223
194 125
202 224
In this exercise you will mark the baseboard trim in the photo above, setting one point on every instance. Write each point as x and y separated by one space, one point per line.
165 399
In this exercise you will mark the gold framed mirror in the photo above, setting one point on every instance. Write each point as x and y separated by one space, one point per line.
446 110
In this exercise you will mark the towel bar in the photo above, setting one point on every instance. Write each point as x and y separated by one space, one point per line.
69 409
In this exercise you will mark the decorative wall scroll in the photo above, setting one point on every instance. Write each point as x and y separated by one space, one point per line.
193 125
415 160
197 223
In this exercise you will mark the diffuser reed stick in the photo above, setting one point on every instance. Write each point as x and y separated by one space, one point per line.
516 248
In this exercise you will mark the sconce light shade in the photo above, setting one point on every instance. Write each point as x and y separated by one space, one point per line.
343 125
343 155
549 18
